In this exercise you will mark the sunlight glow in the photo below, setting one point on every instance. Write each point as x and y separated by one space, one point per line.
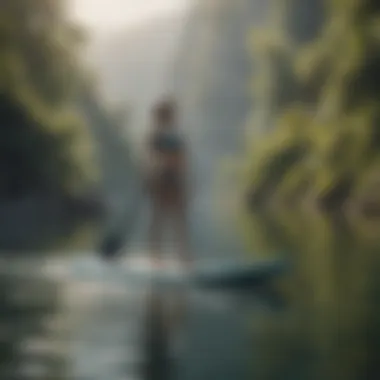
104 15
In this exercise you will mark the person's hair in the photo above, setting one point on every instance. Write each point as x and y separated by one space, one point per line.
165 110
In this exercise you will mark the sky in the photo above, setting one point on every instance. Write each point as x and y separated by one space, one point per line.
106 15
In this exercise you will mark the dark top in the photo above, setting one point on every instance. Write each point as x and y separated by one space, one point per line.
167 142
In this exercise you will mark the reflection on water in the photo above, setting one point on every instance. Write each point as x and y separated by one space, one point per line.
88 320
331 329
32 335
77 318
156 342
165 325
135 329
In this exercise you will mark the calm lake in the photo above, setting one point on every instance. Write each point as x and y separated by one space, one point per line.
75 318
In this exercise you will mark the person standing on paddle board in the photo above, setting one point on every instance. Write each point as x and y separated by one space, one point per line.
167 180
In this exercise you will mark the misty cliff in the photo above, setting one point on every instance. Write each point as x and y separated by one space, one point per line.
212 81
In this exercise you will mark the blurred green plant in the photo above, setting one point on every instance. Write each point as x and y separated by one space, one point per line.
318 101
63 150
45 145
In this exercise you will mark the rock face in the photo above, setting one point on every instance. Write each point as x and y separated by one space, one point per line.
212 83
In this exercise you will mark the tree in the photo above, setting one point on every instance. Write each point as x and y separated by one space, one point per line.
327 76
45 147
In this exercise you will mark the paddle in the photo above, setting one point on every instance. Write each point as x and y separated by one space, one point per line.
117 237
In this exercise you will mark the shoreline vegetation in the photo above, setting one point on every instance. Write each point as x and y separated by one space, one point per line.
316 89
313 186
53 155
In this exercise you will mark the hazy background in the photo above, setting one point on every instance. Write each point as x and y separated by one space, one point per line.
133 47
280 103
101 16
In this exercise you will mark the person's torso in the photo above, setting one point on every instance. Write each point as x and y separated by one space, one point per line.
168 148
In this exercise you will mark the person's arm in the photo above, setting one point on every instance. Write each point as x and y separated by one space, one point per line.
187 171
148 161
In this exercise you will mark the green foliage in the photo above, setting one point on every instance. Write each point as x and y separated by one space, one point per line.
45 146
322 96
332 294
320 148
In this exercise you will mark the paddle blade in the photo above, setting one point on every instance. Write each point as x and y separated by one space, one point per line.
111 248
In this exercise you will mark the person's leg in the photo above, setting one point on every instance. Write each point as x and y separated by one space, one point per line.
155 233
179 214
